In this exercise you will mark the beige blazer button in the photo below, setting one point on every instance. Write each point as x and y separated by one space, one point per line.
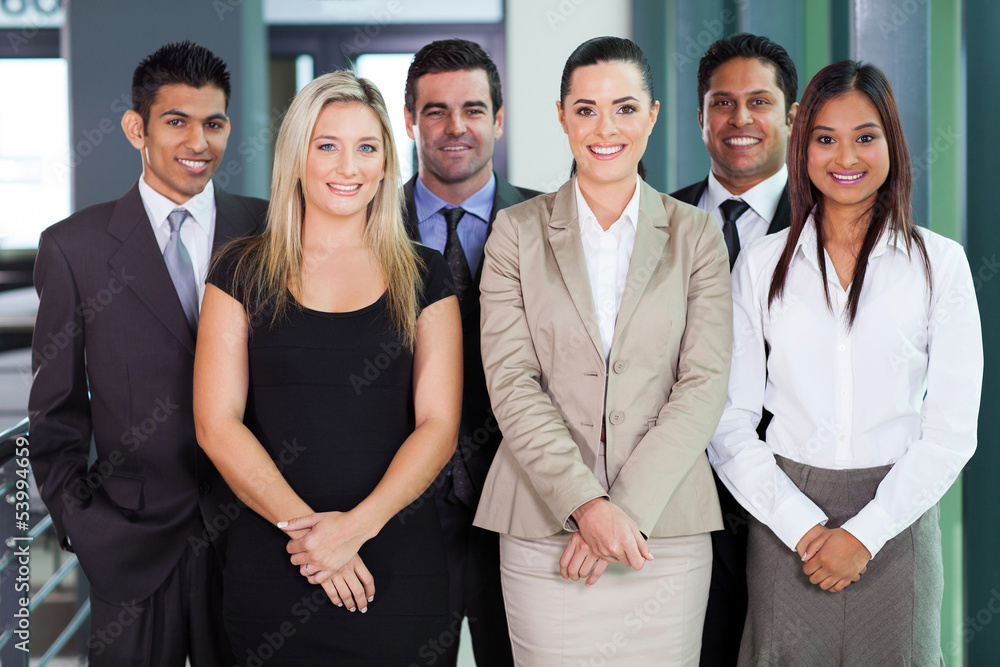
620 366
616 417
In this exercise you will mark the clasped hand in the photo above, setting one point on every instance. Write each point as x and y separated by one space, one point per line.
325 547
833 558
607 535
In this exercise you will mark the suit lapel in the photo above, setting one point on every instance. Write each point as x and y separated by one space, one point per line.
651 234
232 220
139 258
567 247
783 214
410 214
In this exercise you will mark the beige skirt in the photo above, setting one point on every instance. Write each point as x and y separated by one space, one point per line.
651 617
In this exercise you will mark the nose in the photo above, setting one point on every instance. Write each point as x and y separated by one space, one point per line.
847 154
606 125
456 124
197 140
741 115
347 164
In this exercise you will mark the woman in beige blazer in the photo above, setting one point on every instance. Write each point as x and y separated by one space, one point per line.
606 336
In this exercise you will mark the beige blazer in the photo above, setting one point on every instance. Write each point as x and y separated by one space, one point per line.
665 382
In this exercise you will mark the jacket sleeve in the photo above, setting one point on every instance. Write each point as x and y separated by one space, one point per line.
58 404
661 461
533 429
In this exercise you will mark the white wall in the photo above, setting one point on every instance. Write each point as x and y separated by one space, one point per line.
540 36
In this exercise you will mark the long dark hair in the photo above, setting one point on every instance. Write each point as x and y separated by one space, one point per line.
607 50
891 207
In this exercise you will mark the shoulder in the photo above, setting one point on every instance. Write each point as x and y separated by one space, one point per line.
689 194
436 280
83 223
252 207
940 247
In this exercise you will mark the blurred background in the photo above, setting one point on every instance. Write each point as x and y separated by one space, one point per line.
65 72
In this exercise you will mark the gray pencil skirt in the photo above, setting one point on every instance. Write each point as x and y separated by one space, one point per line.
891 616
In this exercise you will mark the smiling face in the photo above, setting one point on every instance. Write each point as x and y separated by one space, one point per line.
454 129
345 162
184 141
608 117
848 152
743 123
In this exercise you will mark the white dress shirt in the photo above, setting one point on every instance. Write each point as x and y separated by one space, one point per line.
763 200
901 387
197 237
608 255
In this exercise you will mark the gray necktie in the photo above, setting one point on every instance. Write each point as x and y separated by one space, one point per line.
178 262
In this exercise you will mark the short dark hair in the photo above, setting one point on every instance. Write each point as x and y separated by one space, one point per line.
745 45
451 55
176 63
607 50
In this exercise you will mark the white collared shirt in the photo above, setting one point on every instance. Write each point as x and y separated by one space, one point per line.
763 200
901 387
608 255
197 237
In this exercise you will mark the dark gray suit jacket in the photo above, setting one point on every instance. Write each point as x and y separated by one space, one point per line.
478 435
113 359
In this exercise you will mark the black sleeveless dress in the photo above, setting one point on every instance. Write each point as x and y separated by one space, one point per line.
331 400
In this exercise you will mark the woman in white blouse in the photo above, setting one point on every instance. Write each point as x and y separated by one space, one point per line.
860 333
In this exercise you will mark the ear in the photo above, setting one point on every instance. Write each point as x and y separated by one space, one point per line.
498 124
134 129
701 119
562 116
792 111
654 111
408 121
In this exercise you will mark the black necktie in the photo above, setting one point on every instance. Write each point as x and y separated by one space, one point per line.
732 209
454 254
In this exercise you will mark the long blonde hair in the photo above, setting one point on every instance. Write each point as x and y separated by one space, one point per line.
268 263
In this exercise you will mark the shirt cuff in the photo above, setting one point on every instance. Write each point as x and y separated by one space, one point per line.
794 518
873 527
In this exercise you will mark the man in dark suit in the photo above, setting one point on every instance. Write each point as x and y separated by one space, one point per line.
113 355
747 87
454 113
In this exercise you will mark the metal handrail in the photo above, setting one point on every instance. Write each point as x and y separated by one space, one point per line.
79 618
8 441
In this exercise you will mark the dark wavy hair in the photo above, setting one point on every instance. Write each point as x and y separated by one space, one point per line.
745 45
176 63
607 50
890 211
451 55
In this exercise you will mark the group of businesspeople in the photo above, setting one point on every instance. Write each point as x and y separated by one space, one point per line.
611 361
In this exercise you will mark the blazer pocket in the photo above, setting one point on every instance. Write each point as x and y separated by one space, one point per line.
124 491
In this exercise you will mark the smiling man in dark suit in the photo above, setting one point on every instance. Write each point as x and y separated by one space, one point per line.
454 113
747 87
113 353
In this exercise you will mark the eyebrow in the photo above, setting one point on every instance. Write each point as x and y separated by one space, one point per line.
182 114
859 127
618 101
472 104
331 137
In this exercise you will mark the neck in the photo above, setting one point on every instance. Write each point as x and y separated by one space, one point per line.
321 231
736 185
845 225
457 192
607 201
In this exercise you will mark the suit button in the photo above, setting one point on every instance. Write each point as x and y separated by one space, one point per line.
616 417
204 487
620 366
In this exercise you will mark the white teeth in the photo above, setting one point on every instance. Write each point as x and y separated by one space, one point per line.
611 150
344 188
843 177
194 164
742 141
455 148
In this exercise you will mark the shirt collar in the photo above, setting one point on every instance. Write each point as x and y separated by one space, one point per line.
586 216
479 203
199 206
808 240
763 198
